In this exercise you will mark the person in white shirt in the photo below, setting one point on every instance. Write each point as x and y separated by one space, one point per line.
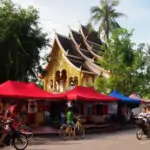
143 115
148 114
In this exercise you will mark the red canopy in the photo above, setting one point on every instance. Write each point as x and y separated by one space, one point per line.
22 90
88 94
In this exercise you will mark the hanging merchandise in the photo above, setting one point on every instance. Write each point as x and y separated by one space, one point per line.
32 106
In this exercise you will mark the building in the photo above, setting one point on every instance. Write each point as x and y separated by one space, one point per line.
73 59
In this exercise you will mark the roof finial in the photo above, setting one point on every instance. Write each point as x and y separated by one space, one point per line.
54 31
69 27
79 22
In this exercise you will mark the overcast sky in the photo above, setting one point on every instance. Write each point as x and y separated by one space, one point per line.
59 14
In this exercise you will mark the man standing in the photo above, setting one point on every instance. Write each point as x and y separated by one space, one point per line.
70 119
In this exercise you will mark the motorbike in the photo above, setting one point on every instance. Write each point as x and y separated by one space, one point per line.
14 138
143 128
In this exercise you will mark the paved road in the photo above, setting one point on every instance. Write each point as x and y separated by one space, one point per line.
121 140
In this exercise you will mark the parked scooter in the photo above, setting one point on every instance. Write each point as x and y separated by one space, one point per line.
143 128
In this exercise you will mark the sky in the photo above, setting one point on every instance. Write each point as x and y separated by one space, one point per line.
59 15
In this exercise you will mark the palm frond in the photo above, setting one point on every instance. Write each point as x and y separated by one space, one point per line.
115 3
103 2
95 9
95 18
114 25
118 15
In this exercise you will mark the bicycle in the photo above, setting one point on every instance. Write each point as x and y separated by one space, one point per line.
66 131
80 130
13 137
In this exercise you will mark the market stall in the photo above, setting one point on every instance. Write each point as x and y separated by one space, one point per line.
34 102
95 107
126 105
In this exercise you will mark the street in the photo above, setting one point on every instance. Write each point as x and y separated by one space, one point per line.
121 140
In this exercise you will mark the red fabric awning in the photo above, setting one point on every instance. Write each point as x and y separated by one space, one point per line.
22 90
88 94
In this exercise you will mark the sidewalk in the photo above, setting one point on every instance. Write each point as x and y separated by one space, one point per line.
111 128
89 130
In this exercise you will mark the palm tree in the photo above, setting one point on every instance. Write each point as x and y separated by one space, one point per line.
106 15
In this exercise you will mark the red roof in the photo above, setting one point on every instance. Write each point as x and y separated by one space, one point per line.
135 96
22 90
88 94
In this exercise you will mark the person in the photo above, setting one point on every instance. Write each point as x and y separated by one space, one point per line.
148 115
10 115
62 118
143 114
70 119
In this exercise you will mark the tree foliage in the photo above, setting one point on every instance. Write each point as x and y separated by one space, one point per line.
126 62
105 15
21 41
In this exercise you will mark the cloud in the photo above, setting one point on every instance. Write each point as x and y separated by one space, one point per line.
59 14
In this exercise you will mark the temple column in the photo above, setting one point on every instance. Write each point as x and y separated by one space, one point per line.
45 84
61 84
80 79
54 83
67 80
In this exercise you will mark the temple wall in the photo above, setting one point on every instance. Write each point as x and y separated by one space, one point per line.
60 72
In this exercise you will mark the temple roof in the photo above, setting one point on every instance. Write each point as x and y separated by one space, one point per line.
78 39
95 48
68 45
87 53
73 55
79 64
80 47
92 36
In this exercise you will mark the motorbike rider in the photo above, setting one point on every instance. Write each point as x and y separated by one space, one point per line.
143 114
10 115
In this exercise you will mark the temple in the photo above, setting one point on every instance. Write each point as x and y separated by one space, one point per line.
73 59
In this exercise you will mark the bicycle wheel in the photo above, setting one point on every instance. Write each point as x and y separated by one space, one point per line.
27 131
63 133
80 131
20 142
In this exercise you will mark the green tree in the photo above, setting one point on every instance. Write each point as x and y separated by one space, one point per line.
125 63
21 42
105 15
146 79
